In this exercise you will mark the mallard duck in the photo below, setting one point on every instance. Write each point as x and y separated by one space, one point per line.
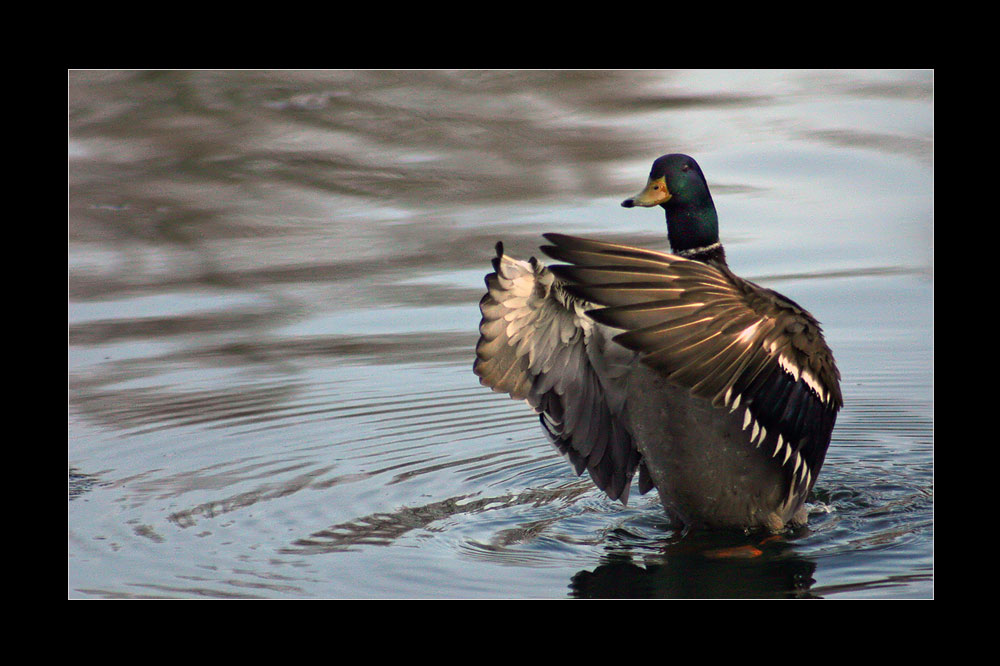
721 393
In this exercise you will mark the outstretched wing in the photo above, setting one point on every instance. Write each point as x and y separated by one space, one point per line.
730 341
537 344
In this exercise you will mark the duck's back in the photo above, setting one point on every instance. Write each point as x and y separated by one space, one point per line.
699 459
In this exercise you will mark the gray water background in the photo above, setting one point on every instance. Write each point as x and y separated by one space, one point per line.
273 281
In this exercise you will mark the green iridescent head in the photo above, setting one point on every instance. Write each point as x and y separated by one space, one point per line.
677 184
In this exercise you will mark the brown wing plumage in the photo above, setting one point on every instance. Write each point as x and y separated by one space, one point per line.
730 341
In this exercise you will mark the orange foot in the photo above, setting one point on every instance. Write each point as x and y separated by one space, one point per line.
734 552
742 551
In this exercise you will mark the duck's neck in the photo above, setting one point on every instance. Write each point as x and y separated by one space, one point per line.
709 254
694 232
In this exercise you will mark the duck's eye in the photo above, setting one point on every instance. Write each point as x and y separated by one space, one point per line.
685 167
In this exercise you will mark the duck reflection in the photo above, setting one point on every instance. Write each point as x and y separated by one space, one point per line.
702 566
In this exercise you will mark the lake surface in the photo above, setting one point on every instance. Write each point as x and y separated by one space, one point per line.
273 282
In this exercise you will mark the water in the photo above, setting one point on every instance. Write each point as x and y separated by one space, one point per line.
273 281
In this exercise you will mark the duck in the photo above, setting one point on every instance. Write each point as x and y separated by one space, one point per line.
722 394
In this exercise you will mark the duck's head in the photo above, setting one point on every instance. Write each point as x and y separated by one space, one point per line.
677 184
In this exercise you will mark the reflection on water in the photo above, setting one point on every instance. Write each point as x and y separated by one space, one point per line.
273 281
